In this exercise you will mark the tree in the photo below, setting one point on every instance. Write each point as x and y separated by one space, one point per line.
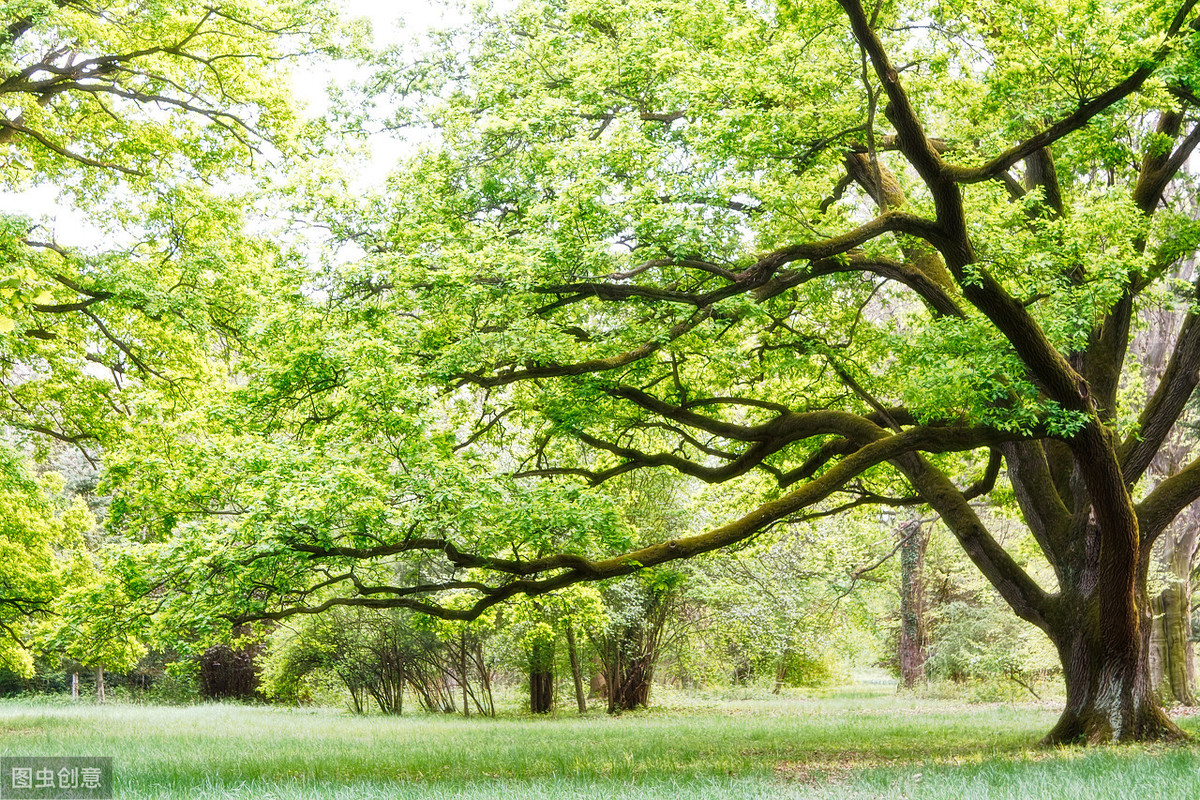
911 651
832 255
536 626
143 116
41 542
133 112
1171 668
143 92
630 645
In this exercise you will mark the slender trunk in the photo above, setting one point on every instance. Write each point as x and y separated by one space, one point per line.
913 541
75 686
485 678
356 689
576 673
463 672
100 684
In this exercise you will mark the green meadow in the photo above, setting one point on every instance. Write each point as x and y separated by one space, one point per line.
851 743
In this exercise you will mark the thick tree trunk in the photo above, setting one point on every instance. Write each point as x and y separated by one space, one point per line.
1080 511
1102 635
1109 699
913 540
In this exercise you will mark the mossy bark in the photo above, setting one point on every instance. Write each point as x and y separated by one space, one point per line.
913 541
1109 696
1172 668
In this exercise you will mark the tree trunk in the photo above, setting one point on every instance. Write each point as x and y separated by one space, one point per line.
100 684
1100 618
913 541
629 682
1102 636
576 673
1108 699
1172 668
541 677
75 686
463 672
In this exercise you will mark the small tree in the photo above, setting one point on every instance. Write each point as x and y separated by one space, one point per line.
629 646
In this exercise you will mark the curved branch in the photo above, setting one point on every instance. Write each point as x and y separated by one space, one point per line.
1178 382
576 569
1078 118
1019 590
934 295
584 367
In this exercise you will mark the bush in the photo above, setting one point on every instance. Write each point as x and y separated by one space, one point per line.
985 642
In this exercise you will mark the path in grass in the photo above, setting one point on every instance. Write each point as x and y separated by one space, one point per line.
859 744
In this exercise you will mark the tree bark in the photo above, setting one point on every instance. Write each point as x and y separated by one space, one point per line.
1101 630
1171 653
576 673
1172 667
1109 693
541 677
100 695
913 541
1100 619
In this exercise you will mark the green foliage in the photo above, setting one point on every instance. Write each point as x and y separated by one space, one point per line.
985 642
145 92
41 553
805 670
474 388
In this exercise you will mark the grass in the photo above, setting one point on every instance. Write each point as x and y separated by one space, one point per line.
863 742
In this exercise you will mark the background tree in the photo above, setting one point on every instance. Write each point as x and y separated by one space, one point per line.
912 651
134 113
1172 671
41 553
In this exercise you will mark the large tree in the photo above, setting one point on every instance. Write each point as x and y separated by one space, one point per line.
828 255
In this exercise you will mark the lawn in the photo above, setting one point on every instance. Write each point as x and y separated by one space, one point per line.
857 742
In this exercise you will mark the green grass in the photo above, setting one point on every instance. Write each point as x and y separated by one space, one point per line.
859 743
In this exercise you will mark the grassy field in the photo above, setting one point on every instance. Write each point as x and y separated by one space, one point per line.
857 743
